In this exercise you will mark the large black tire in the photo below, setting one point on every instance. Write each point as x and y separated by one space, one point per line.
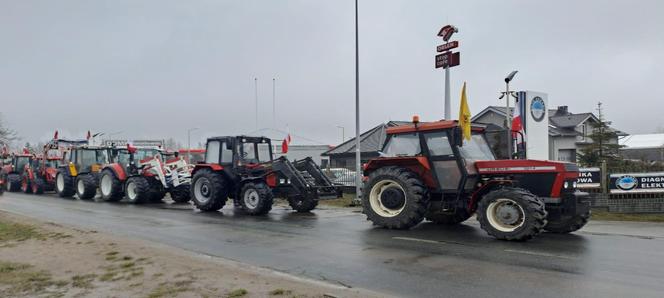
26 185
86 186
302 204
256 198
208 190
568 224
38 186
157 191
110 186
395 198
64 184
510 213
180 194
460 215
13 182
137 189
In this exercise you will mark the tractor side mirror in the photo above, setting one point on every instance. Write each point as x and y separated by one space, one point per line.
457 138
229 146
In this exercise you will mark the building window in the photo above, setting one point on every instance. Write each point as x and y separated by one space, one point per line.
568 155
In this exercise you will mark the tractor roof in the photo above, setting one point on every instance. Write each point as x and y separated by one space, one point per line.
428 126
250 138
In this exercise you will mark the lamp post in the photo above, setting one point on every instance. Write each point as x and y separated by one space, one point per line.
358 167
343 133
189 142
508 115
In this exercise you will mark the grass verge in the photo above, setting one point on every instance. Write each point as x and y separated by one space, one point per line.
645 217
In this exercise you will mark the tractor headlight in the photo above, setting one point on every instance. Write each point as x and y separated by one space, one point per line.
566 184
574 184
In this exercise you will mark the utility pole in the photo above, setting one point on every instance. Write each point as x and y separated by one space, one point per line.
274 103
256 93
508 114
358 167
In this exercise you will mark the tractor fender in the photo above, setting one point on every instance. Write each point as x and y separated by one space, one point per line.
484 189
117 170
417 164
211 166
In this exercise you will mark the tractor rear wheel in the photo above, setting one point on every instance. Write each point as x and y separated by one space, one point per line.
86 186
567 224
459 216
13 182
511 214
395 198
256 198
26 186
209 191
302 204
38 186
137 190
110 186
180 194
64 184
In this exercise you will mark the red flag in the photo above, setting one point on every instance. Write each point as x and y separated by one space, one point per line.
89 135
55 137
517 124
26 151
289 139
284 146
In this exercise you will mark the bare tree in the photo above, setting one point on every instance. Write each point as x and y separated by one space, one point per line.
7 135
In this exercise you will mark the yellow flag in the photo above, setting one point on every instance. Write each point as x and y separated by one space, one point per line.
464 114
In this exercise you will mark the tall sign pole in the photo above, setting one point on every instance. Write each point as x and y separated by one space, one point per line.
447 60
358 155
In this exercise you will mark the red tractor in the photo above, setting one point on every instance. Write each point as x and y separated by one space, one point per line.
13 169
426 171
145 174
242 168
39 175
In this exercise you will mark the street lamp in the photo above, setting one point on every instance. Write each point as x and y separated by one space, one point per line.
189 142
508 115
343 133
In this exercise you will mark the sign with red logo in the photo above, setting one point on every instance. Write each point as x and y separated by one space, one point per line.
447 31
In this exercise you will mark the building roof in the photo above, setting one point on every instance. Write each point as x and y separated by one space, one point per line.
571 120
642 141
370 141
279 135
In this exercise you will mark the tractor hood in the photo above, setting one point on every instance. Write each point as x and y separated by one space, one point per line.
524 166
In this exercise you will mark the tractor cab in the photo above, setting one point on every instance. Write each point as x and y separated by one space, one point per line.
86 159
20 161
79 170
238 151
429 171
12 172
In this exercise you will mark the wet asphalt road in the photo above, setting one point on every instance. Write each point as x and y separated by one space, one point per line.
605 259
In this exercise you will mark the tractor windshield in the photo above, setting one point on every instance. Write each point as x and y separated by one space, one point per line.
92 156
403 145
21 162
256 152
476 149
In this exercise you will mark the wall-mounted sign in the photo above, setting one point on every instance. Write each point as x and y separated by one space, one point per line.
538 108
636 183
589 178
448 59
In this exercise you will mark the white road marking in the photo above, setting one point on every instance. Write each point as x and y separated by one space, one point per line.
541 254
418 240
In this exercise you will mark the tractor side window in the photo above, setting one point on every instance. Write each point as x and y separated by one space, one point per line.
248 153
403 145
438 144
264 152
212 155
476 149
226 154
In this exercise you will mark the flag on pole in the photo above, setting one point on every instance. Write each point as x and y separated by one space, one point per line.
464 114
88 136
285 143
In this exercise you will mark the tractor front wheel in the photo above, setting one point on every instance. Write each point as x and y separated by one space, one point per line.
256 198
13 182
209 191
110 186
180 194
86 187
157 191
137 190
302 204
511 214
38 186
395 198
460 215
25 184
64 184
567 224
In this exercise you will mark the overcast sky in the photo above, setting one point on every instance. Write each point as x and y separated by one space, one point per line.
155 68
